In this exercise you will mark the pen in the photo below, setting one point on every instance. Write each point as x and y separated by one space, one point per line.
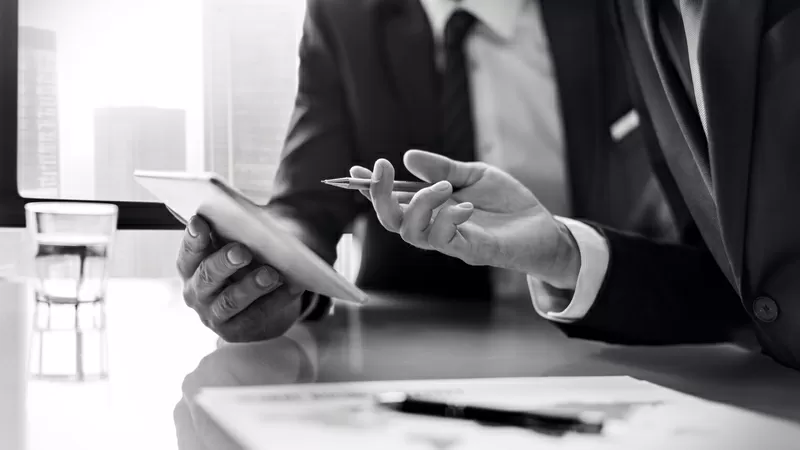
365 183
554 422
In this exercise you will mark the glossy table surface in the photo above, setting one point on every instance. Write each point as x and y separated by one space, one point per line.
160 356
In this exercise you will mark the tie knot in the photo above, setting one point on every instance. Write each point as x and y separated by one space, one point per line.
458 25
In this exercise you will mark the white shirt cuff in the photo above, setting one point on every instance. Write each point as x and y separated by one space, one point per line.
552 303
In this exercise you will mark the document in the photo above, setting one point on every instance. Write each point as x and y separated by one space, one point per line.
638 415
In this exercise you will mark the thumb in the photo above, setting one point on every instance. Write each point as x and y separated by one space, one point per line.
431 167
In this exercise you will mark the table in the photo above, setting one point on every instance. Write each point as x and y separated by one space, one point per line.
160 356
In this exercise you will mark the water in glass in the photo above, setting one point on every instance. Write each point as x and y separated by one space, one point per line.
72 247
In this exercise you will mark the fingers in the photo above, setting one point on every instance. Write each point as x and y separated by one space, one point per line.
417 217
362 172
236 297
403 198
195 246
268 317
443 234
432 168
389 212
213 273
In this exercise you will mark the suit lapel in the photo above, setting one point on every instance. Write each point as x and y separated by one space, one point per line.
662 94
728 63
408 59
679 99
572 30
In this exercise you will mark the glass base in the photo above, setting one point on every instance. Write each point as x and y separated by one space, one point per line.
69 342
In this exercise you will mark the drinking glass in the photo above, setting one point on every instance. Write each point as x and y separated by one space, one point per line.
72 246
72 250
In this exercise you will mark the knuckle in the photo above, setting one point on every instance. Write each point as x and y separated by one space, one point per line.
188 246
225 305
204 274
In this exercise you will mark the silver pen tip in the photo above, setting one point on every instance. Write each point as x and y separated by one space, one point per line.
335 183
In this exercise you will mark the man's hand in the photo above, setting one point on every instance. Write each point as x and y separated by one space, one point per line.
491 219
239 300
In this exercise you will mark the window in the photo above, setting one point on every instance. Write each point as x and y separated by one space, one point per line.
91 90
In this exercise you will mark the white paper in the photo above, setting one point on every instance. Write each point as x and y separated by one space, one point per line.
343 415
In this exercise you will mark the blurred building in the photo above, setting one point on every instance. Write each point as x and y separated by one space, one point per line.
37 124
133 138
250 80
127 139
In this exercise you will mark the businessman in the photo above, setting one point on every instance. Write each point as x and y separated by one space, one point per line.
719 80
538 88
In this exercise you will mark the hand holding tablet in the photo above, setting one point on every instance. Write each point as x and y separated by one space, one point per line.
253 243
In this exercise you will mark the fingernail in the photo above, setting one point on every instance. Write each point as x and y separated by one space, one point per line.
192 227
236 255
441 186
378 172
267 277
465 205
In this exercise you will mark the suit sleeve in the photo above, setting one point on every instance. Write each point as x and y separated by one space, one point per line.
659 293
319 145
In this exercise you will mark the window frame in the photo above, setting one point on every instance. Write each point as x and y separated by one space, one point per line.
132 215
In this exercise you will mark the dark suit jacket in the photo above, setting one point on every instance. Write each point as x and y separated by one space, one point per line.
738 186
369 89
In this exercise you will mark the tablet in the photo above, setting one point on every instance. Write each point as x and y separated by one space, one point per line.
236 218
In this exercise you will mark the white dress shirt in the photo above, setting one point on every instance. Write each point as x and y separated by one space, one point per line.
518 125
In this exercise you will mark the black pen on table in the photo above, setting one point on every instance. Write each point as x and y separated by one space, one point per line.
554 422
365 183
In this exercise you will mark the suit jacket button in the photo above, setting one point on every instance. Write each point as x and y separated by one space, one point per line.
765 309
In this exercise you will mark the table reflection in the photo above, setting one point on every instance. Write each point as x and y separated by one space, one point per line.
69 342
404 337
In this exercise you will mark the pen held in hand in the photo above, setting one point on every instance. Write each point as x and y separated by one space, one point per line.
365 183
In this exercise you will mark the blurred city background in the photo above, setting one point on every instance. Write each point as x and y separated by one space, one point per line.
109 86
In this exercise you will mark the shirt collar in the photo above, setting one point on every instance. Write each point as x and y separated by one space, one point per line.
500 16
